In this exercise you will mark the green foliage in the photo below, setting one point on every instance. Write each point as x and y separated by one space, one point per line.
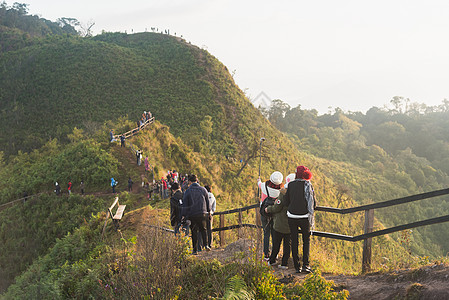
380 156
28 230
70 270
314 287
82 159
236 288
17 17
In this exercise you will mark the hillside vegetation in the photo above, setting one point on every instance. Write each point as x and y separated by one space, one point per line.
381 155
62 93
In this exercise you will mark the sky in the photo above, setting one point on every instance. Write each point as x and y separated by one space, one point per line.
323 54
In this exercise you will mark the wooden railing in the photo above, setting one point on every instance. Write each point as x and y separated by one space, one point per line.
368 226
135 130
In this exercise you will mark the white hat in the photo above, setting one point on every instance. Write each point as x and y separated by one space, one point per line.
276 177
289 178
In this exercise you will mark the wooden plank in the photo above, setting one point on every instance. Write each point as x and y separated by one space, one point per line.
366 257
240 232
231 211
388 203
113 204
119 212
220 229
402 227
221 234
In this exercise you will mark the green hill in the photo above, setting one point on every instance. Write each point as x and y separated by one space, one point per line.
52 83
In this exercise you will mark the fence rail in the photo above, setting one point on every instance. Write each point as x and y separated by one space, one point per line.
368 227
135 130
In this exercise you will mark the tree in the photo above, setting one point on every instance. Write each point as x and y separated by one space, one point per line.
86 29
397 103
206 126
277 112
21 8
68 24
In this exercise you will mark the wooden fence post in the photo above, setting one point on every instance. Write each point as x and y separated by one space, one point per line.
221 234
258 223
369 224
239 232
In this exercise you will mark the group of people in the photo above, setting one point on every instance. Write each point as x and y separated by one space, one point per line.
57 189
292 207
145 117
163 186
193 208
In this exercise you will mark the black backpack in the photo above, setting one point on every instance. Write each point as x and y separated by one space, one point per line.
269 201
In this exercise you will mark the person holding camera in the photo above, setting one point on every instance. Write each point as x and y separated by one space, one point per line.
269 189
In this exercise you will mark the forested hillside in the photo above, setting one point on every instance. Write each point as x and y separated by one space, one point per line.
60 95
384 154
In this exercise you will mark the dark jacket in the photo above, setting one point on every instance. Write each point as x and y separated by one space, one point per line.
175 208
295 198
195 201
279 212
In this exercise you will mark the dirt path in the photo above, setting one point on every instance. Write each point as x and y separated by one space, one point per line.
428 282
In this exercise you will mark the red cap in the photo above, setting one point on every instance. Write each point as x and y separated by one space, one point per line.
303 173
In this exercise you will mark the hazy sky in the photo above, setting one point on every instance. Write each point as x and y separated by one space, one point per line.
351 54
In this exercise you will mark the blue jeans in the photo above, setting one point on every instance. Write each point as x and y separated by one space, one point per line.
267 225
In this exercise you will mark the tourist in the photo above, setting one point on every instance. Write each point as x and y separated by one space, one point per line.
270 188
301 203
196 209
281 229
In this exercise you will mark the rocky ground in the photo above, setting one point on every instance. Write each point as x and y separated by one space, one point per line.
428 282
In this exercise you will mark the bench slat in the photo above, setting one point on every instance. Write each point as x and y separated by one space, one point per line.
115 202
119 212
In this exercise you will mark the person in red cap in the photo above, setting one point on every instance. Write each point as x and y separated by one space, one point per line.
301 203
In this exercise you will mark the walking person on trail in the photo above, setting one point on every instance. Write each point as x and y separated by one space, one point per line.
113 184
122 141
138 157
301 204
209 221
269 189
175 210
111 136
82 187
57 189
130 184
69 187
164 188
281 229
147 164
196 209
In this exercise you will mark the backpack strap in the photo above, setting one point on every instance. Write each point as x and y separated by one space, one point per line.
266 188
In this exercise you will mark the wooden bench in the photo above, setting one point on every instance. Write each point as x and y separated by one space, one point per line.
118 213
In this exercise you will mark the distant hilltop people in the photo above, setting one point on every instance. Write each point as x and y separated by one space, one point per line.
145 117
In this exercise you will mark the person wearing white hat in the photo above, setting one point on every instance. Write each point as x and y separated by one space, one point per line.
270 188
281 229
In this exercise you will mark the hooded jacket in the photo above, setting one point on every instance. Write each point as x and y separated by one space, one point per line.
175 208
279 212
195 201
